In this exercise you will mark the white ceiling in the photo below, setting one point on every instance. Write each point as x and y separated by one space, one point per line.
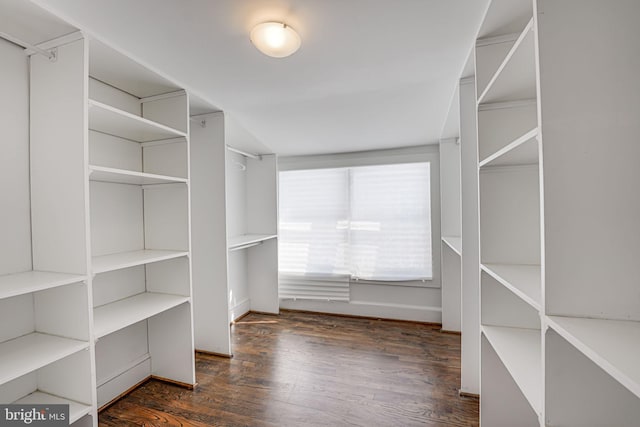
370 74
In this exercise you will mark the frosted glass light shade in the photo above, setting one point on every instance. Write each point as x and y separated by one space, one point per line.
275 39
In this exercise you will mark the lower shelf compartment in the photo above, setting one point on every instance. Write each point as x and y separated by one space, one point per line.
613 345
120 314
520 352
30 352
76 410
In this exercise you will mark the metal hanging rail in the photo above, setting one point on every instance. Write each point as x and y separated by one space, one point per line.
49 54
244 153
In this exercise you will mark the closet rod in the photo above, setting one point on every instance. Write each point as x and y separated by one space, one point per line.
49 54
244 153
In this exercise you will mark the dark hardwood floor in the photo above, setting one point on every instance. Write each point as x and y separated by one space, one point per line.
302 369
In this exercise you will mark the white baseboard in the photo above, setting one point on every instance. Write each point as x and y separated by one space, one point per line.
240 309
378 310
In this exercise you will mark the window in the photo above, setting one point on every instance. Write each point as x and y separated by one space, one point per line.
368 222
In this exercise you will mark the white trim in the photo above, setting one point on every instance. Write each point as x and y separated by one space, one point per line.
240 309
123 370
368 309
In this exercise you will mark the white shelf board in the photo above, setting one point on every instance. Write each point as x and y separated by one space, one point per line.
523 280
613 345
515 79
27 353
520 352
522 151
76 410
236 242
121 176
454 242
117 261
113 121
112 317
12 285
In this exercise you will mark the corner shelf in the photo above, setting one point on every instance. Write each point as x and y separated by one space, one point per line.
515 79
239 242
522 280
520 352
522 151
33 351
117 261
12 285
120 314
113 121
613 345
76 410
121 176
454 242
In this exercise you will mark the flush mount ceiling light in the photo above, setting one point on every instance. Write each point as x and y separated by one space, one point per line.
275 39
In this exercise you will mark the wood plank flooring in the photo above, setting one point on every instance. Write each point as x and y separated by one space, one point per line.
303 369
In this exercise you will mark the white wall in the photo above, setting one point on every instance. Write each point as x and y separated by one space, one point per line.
418 302
15 219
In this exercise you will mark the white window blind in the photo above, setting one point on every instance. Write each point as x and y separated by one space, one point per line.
369 222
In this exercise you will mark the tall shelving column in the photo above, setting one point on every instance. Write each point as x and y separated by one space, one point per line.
588 117
45 337
139 179
557 114
509 198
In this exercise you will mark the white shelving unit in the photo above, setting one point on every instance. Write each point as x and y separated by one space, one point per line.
560 333
234 228
46 351
95 279
140 234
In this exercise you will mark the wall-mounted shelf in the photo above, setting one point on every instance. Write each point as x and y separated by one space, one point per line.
522 280
520 352
113 121
32 281
515 79
455 243
117 261
121 176
76 410
522 151
120 314
613 345
33 351
238 242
